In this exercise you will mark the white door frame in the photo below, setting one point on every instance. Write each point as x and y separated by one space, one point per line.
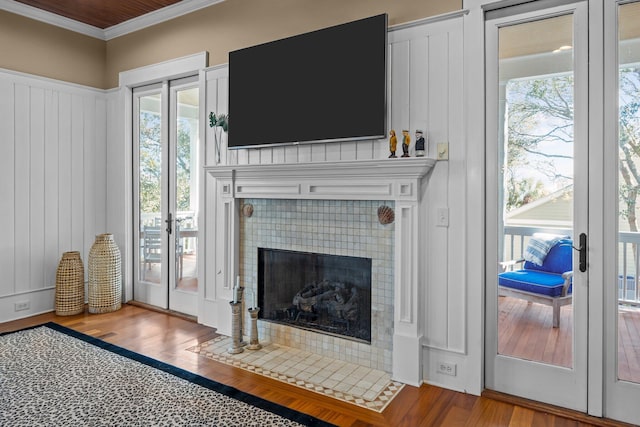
595 331
620 397
152 293
545 383
173 69
179 300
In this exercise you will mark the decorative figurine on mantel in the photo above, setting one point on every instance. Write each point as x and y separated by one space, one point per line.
393 144
406 140
420 144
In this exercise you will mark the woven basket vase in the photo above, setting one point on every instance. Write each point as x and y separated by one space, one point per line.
70 285
105 277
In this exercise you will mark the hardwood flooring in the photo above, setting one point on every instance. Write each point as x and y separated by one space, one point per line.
165 337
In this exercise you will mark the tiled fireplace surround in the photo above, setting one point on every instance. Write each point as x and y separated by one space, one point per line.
332 208
336 227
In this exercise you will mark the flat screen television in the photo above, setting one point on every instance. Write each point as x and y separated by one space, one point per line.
326 85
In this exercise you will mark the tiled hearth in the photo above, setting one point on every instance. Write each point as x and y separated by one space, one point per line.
336 227
367 387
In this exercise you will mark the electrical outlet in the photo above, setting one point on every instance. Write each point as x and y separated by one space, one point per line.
22 305
447 368
442 217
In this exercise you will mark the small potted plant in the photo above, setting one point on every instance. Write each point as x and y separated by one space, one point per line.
220 123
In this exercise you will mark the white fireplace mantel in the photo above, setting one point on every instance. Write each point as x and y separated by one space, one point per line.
389 179
397 180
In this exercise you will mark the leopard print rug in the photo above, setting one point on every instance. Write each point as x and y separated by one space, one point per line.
49 378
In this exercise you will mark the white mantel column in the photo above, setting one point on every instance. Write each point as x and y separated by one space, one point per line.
407 334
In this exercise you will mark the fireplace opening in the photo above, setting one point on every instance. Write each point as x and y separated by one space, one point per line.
325 293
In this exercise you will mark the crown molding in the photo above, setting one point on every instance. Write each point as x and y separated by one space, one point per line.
430 20
162 15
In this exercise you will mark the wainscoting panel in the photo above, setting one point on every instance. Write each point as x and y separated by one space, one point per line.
216 289
426 94
53 184
7 187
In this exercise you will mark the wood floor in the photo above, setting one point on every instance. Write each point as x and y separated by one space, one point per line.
165 337
629 345
525 331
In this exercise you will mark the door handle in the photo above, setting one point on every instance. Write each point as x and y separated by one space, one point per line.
169 221
582 250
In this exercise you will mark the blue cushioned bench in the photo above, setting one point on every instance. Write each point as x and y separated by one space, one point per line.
549 283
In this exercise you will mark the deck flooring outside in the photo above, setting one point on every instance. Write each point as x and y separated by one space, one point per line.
525 331
189 280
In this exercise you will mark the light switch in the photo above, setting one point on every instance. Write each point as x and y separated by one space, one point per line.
443 151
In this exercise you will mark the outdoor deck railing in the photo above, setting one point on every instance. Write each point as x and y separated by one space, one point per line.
517 237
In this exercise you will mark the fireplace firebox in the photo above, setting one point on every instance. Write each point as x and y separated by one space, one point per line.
326 293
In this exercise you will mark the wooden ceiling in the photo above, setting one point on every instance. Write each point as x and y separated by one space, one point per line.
99 13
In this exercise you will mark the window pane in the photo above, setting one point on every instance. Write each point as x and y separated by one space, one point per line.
536 93
150 188
187 190
628 192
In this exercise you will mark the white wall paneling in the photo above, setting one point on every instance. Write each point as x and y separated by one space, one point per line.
427 94
214 291
53 183
7 187
118 169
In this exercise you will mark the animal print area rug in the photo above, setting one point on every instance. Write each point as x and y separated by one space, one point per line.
54 376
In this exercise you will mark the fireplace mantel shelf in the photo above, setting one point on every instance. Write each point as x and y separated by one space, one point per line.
388 179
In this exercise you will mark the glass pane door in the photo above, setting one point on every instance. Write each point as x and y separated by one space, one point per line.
622 220
166 162
185 203
537 81
629 193
536 207
151 200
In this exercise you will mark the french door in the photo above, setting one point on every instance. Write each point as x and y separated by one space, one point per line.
537 134
166 194
621 231
563 160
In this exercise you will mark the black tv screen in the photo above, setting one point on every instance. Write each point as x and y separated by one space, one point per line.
326 85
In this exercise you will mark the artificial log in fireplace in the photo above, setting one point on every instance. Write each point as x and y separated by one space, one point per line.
326 293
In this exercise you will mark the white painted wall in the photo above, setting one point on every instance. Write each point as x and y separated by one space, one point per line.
52 184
